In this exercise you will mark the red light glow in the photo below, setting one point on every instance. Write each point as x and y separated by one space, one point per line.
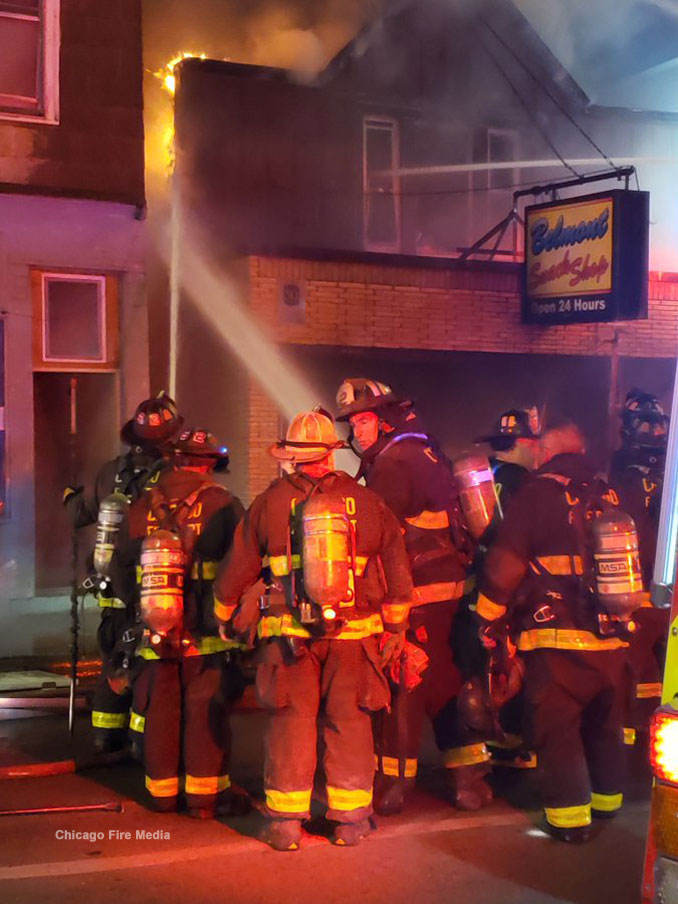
664 746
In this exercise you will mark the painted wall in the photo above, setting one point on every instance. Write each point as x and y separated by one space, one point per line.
82 236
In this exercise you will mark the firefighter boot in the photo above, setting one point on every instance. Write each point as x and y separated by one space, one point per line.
571 835
389 795
470 790
283 834
348 834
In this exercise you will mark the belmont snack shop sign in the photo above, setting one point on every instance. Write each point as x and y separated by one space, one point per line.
586 259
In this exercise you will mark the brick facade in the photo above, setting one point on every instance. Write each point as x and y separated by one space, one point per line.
426 307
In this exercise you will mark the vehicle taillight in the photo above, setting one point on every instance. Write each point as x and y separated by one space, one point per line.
664 745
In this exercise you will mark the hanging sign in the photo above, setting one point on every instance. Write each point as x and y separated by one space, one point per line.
586 259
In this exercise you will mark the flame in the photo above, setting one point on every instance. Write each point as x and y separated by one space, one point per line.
166 74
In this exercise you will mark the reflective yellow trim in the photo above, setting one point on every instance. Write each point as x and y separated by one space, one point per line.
209 570
437 593
139 572
566 639
489 610
630 736
287 626
342 799
647 691
606 803
427 520
670 685
137 723
222 611
110 602
211 784
569 817
390 765
279 565
288 801
395 613
465 756
162 787
560 565
203 647
108 720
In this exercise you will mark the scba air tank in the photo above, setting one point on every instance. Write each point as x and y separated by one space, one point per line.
163 571
619 582
477 493
112 513
327 553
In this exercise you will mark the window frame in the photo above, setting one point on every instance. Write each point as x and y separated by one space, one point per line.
48 69
108 295
392 125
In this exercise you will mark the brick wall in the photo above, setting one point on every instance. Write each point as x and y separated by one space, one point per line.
462 309
96 150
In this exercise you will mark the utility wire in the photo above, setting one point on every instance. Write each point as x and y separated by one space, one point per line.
525 105
548 93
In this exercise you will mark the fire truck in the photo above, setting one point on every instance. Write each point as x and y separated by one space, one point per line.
660 875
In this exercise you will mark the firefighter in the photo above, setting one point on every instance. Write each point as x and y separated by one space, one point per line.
148 436
343 579
175 535
574 661
637 476
404 465
514 441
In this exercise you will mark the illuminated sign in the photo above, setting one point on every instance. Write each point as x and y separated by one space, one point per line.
586 259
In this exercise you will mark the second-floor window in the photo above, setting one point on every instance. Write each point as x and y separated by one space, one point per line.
381 186
29 59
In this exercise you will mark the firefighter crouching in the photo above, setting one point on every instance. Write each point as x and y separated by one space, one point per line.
177 533
148 434
337 554
637 477
559 527
404 465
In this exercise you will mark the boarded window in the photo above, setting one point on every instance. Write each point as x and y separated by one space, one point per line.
76 321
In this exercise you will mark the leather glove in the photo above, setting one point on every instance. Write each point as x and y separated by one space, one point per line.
392 648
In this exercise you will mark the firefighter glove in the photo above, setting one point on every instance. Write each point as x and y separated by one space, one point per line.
392 648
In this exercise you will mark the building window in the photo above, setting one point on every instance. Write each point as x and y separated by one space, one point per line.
75 321
496 146
381 185
29 59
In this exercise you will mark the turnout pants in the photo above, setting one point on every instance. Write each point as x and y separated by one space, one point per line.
575 705
332 688
110 710
398 733
186 729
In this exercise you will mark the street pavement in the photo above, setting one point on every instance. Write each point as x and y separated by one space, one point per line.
430 854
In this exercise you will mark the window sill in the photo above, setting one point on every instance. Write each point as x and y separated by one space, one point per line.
32 118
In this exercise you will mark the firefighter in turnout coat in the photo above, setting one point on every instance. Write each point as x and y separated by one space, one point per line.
574 690
402 463
148 434
181 698
341 578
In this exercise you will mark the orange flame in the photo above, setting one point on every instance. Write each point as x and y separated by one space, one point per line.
166 74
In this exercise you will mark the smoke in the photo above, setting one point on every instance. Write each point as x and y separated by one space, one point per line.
596 39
